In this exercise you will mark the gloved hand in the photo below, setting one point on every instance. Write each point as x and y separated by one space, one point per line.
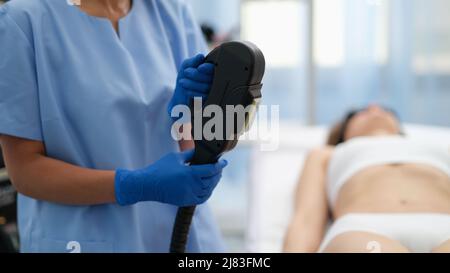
169 180
194 80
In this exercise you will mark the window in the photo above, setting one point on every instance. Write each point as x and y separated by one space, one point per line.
340 24
275 26
431 36
329 32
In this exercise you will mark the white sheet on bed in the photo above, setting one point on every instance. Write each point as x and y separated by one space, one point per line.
274 176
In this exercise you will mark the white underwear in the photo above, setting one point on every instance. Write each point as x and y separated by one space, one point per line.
418 232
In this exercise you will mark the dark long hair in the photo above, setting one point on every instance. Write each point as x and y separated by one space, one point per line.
337 133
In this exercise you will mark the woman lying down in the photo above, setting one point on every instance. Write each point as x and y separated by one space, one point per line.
385 193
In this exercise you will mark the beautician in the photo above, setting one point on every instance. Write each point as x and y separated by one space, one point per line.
85 97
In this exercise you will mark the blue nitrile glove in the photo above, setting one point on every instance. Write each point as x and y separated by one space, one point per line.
170 180
194 80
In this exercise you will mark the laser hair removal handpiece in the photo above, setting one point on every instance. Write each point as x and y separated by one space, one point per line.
239 69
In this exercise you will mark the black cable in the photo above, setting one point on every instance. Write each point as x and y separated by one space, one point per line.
181 228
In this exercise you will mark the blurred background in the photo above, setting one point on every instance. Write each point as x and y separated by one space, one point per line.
323 58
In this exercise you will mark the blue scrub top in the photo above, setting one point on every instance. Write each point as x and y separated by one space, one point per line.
98 101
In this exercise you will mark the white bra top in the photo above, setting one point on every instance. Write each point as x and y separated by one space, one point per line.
359 153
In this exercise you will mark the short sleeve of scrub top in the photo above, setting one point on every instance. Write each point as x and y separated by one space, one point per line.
97 99
19 102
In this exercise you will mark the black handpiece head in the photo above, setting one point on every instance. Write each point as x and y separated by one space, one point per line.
239 69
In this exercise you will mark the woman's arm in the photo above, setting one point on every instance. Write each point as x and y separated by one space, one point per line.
308 225
38 176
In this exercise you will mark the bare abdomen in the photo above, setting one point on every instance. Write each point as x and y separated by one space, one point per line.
402 188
